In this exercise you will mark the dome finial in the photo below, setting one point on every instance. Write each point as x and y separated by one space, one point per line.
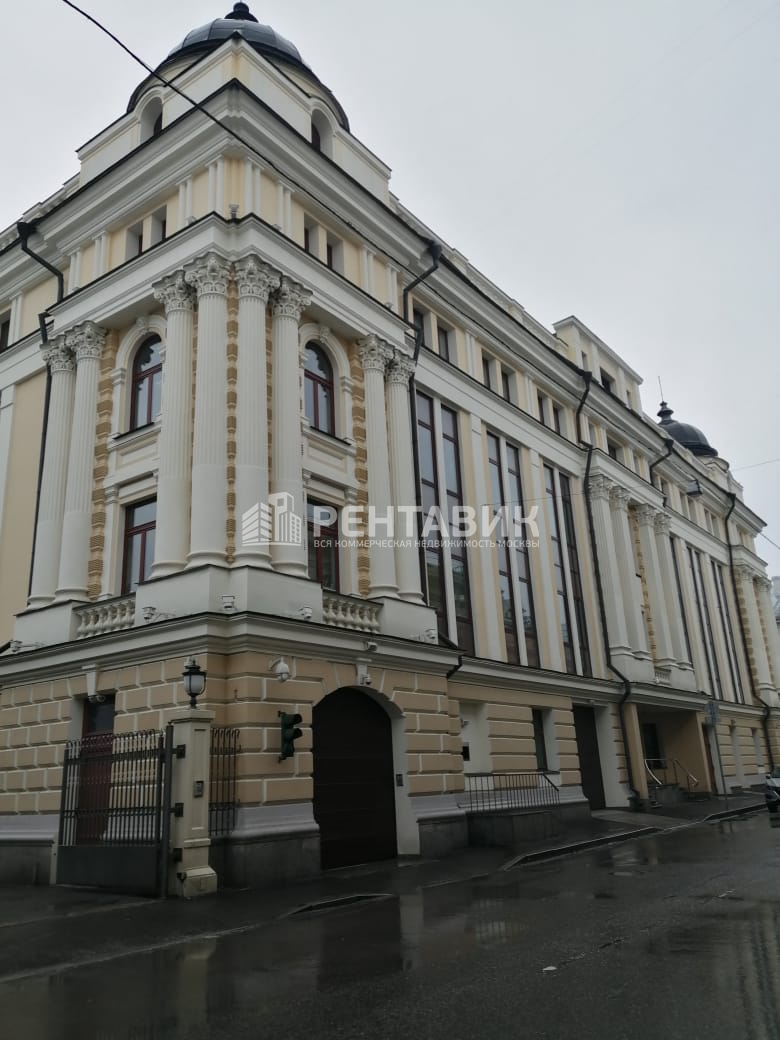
664 413
241 13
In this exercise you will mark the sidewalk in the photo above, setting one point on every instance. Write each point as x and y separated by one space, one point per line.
49 929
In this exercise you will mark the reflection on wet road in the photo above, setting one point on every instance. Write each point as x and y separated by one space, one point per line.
673 933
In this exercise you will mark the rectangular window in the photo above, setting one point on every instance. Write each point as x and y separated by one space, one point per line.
307 238
614 451
140 523
557 415
334 254
135 241
564 615
728 633
323 550
680 600
418 318
5 329
505 582
522 561
575 574
705 621
541 404
607 382
540 746
444 343
458 558
429 481
487 375
506 385
159 228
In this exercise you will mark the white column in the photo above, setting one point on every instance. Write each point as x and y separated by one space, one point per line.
655 593
626 562
600 488
172 537
51 507
758 654
287 305
668 582
772 640
255 280
209 274
374 357
86 341
407 557
6 419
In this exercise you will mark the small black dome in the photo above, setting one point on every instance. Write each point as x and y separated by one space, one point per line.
685 434
262 37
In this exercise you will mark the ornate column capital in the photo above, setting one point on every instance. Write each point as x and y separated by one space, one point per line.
646 515
401 370
174 293
255 279
619 498
209 274
86 341
663 523
375 354
763 582
600 487
744 572
290 299
57 356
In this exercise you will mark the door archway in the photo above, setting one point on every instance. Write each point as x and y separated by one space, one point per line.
354 793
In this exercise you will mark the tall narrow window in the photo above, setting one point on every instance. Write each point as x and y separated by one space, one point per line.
564 616
505 582
316 140
506 385
444 343
540 745
487 375
429 481
522 561
541 404
728 632
557 419
680 599
418 319
146 384
323 538
705 622
578 599
5 329
140 522
318 389
458 559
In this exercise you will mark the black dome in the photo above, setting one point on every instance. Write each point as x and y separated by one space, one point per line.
685 434
240 21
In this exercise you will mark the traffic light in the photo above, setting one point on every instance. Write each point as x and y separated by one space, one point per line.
290 733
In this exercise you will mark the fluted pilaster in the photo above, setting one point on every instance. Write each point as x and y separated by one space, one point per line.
407 557
626 562
375 355
256 280
51 506
209 275
759 659
599 488
668 581
86 342
772 641
287 305
665 656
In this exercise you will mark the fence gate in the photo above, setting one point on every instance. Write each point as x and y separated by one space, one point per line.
115 812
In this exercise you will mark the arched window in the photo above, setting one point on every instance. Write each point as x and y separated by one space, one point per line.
151 119
318 386
147 384
321 133
316 140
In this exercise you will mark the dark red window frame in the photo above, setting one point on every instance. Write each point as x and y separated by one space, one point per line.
143 386
322 386
140 532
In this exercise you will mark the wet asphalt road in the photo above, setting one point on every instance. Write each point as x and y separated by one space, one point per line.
671 936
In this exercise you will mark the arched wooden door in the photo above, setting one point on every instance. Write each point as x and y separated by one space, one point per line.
354 793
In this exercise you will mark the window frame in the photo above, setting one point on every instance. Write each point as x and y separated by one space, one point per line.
151 376
318 551
321 383
141 531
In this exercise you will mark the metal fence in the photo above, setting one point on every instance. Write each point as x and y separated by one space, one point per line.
492 792
223 799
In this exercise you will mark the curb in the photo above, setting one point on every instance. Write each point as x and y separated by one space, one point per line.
727 814
579 846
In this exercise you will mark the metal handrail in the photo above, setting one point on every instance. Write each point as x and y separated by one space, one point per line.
489 792
650 772
692 780
663 765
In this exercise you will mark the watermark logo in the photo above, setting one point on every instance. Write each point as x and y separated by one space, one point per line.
272 523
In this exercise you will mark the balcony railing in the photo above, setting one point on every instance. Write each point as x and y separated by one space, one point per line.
114 615
360 615
491 792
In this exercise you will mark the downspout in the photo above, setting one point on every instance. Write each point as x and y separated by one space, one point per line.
435 249
732 571
636 798
25 231
666 454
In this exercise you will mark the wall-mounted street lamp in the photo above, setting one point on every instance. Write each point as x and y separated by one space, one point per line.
194 681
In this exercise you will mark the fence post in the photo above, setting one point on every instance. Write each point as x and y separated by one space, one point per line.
190 873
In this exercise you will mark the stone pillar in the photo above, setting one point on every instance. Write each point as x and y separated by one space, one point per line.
190 875
671 593
772 641
210 274
51 508
759 661
660 616
86 341
626 564
172 537
599 488
255 280
287 305
407 558
374 357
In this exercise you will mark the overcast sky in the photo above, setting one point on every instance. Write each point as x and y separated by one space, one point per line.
614 159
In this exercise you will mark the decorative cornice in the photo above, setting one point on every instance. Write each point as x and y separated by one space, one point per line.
86 341
57 356
209 274
256 279
375 354
174 293
290 299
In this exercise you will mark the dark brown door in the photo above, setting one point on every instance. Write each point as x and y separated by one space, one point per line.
97 744
588 750
354 794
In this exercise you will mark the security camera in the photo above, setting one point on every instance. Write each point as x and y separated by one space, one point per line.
281 669
365 679
370 646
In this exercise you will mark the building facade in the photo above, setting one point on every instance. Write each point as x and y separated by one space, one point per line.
225 347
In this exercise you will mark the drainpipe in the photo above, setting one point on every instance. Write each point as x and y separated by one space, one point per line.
666 454
743 634
588 379
435 250
25 232
636 798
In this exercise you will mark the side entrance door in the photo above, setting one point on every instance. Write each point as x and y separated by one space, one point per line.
354 793
588 750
